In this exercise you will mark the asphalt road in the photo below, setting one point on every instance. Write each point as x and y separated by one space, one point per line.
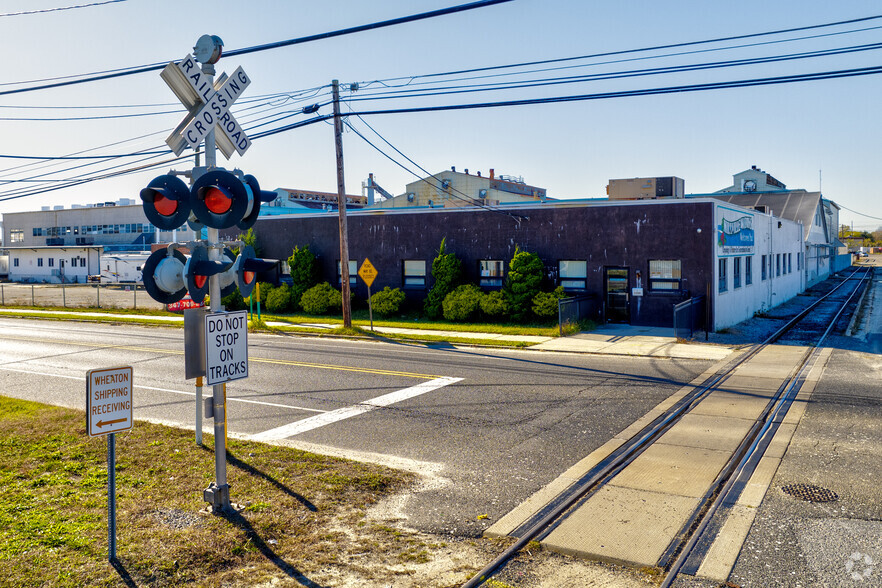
489 427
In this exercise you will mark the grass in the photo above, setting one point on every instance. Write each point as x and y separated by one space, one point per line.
301 518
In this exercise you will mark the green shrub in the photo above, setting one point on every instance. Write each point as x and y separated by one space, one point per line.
545 303
446 270
387 301
525 272
493 304
304 272
462 303
234 301
279 300
318 299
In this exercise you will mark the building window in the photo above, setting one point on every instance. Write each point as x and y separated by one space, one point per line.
664 274
82 262
777 265
353 272
73 262
789 263
748 270
16 235
414 273
491 272
51 262
722 275
771 270
763 268
14 262
39 262
38 232
736 272
573 274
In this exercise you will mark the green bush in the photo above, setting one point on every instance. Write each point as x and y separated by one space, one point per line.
387 301
462 303
304 272
446 270
233 301
279 300
545 303
525 272
320 298
493 304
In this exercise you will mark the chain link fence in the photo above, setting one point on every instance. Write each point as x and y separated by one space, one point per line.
78 296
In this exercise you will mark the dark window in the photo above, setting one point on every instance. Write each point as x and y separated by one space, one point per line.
573 274
491 272
51 262
722 275
82 262
414 273
763 268
748 270
789 263
736 272
39 262
14 262
777 264
664 274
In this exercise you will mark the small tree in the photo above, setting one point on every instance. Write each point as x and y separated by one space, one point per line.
493 304
545 304
447 270
250 238
462 303
387 301
320 298
525 271
279 300
304 272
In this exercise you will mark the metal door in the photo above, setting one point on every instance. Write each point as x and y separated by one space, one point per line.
618 308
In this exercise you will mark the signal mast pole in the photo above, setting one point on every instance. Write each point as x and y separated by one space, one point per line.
341 207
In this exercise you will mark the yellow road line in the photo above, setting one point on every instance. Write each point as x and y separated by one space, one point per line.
341 368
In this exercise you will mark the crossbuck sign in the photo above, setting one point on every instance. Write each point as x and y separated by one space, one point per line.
208 106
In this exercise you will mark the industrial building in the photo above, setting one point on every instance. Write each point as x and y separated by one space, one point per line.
638 258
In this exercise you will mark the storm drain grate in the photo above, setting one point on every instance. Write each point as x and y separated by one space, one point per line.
810 493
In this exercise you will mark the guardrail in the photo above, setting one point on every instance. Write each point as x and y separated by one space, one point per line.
572 310
689 316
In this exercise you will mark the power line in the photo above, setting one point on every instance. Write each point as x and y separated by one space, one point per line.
61 8
859 213
109 74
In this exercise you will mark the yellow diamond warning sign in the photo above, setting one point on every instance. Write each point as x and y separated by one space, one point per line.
367 272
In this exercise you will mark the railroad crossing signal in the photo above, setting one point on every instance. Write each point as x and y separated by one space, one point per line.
208 107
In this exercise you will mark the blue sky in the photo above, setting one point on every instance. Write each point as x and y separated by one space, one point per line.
793 131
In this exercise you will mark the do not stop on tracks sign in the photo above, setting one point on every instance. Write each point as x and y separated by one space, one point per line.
226 346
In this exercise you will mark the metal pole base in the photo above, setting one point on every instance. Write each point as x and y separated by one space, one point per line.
218 497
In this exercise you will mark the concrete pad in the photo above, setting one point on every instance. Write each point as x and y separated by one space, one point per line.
672 469
729 404
753 384
755 489
708 432
622 525
723 554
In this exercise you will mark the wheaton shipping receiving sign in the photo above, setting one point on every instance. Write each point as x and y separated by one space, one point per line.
108 400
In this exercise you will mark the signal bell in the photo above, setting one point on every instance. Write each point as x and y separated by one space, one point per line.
163 276
166 202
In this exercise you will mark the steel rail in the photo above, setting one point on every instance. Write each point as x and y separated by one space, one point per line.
743 456
631 449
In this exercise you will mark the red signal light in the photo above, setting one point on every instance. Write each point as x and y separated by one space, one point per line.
200 281
249 277
165 206
217 202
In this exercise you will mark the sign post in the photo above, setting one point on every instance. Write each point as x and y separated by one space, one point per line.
108 411
368 273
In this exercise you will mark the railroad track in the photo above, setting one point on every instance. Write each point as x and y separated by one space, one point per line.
685 552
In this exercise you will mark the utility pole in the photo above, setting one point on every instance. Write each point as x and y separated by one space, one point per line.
341 206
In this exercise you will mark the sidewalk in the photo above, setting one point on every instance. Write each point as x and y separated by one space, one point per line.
606 340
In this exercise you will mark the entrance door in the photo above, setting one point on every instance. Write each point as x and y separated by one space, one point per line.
616 284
